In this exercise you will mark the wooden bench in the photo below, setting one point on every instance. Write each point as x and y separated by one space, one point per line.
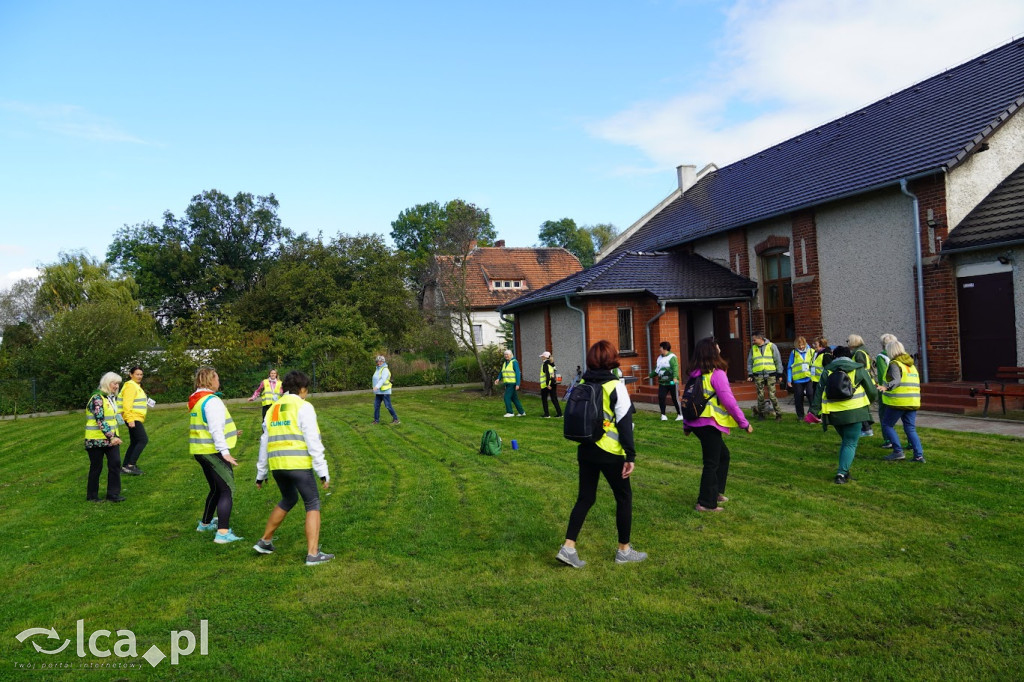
1009 379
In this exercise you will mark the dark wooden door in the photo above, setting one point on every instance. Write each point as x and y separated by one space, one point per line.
729 334
988 337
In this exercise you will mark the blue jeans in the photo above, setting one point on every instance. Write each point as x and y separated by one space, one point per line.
379 398
909 419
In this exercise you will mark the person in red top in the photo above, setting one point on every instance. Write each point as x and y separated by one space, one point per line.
721 412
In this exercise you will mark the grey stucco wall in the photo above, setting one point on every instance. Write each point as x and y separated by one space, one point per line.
866 261
565 341
714 248
531 338
970 182
1016 256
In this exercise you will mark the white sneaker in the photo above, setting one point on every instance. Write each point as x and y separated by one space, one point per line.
679 417
521 415
509 414
664 418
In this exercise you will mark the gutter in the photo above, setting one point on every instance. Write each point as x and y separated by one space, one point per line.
650 357
983 247
583 330
922 333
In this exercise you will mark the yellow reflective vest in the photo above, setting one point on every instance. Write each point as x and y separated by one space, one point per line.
270 395
544 376
610 440
817 366
906 396
286 446
802 364
200 440
508 372
859 399
137 410
92 429
764 359
714 407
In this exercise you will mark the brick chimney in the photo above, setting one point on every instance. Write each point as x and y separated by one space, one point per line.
500 244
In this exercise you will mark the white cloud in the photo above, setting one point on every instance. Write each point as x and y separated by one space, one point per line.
785 67
17 275
71 121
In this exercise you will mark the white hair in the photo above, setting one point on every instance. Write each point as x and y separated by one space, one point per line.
854 341
381 358
886 339
107 379
894 348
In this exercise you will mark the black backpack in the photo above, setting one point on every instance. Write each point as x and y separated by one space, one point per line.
694 401
838 386
583 417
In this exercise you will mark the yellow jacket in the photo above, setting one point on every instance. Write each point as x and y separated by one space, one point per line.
129 394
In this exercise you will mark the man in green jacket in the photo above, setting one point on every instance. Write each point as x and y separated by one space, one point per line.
846 414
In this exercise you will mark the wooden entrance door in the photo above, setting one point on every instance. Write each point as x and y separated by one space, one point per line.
988 337
729 334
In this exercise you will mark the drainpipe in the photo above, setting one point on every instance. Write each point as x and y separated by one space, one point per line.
501 316
583 331
650 356
923 335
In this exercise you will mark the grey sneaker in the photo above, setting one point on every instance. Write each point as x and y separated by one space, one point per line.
919 458
570 556
320 558
895 456
629 556
264 547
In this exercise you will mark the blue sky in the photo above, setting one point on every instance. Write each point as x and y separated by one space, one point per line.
112 113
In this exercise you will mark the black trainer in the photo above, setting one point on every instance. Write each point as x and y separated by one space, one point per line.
842 479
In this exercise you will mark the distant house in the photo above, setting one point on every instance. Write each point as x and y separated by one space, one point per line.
827 234
494 275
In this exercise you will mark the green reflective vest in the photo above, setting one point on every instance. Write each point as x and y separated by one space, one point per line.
859 399
764 359
906 396
139 404
508 372
714 407
200 440
269 396
802 364
92 429
286 446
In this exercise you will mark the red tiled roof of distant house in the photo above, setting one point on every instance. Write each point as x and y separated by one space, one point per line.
531 267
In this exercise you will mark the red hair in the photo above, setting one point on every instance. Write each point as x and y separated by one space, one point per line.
602 355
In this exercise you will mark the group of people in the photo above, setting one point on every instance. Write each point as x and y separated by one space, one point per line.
841 403
291 449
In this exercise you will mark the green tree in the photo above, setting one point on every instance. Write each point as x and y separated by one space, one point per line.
602 235
208 258
19 304
76 279
566 234
425 230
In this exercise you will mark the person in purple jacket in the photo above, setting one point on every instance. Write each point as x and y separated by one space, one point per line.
721 412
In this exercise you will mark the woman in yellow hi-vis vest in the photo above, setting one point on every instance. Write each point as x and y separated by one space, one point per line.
511 377
612 457
268 391
844 412
291 450
721 412
211 436
902 399
102 441
134 404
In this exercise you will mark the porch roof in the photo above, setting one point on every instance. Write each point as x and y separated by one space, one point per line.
997 221
675 276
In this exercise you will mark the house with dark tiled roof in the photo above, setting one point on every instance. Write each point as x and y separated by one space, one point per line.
487 277
901 217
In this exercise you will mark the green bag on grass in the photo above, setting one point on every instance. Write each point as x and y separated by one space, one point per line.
490 444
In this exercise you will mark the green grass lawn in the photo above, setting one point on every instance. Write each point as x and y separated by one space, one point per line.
446 564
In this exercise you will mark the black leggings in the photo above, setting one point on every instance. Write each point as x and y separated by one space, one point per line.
295 482
801 391
716 465
590 474
139 441
219 500
553 393
663 391
112 453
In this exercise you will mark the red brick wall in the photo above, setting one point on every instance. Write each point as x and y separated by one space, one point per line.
942 322
603 323
806 294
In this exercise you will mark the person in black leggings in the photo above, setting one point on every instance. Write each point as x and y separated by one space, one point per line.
612 456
